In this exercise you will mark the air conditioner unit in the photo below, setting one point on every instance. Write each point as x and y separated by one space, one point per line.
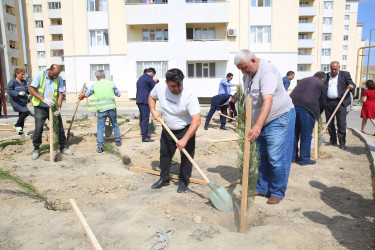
232 32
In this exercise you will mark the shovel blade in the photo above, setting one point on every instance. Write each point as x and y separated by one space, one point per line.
221 199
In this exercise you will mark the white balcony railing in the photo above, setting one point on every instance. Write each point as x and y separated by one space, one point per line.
15 53
57 60
207 50
57 45
306 27
54 13
307 11
150 14
305 59
42 62
55 29
306 43
9 18
304 74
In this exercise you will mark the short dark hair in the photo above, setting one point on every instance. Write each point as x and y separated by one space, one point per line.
229 74
174 75
145 71
289 73
150 70
370 84
321 75
236 97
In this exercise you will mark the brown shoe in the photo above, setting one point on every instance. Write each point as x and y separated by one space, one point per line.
261 195
273 200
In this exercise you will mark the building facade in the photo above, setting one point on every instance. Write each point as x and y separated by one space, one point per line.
11 49
200 37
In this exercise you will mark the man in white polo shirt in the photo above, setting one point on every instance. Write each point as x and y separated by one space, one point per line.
181 112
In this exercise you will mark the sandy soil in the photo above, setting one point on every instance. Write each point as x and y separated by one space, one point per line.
328 206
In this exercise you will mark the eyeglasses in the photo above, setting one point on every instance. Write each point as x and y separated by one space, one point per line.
249 86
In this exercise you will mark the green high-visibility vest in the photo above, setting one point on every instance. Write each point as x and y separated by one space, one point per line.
41 87
103 97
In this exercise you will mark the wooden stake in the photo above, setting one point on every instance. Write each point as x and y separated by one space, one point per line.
74 115
94 242
127 130
228 117
316 138
245 174
50 131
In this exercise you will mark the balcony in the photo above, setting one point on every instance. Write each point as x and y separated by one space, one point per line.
306 27
145 51
97 20
40 46
37 2
55 29
57 60
42 62
11 36
304 74
306 43
54 13
150 14
39 31
144 2
9 3
56 45
9 18
207 50
215 12
307 11
305 59
15 53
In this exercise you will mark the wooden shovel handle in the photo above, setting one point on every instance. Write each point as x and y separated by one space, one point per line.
228 117
184 150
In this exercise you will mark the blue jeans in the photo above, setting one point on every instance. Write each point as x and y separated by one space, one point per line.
304 127
102 117
275 150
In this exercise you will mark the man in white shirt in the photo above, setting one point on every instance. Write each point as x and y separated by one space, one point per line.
181 112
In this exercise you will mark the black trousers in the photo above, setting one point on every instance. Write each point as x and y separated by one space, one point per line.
41 115
144 117
223 110
21 119
167 150
340 119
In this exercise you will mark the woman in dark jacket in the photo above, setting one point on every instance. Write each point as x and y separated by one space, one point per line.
18 90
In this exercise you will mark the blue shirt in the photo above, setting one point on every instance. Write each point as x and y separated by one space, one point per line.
224 87
91 91
286 82
49 85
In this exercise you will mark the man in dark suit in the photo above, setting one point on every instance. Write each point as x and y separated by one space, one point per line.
337 82
144 86
220 103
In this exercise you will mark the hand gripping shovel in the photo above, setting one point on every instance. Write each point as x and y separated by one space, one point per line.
219 196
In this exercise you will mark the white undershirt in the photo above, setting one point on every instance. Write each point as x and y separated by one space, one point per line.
332 87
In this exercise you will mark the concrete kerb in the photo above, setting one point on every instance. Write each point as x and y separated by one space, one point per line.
370 145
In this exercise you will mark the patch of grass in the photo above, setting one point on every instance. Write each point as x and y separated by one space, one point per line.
297 209
201 235
84 118
119 116
111 149
81 161
44 147
121 123
16 142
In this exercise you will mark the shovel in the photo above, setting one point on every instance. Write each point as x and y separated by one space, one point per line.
219 196
108 129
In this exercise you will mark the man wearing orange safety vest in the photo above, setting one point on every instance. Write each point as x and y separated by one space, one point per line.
45 82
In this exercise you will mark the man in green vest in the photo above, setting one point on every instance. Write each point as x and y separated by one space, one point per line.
103 101
45 82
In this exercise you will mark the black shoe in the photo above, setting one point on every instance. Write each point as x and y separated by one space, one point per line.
205 128
118 143
160 183
230 120
311 162
99 150
332 143
343 147
182 188
223 128
147 140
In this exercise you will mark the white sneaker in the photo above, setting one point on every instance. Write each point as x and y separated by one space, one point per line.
19 129
23 134
35 154
66 151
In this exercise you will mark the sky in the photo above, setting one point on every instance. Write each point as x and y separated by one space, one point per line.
366 13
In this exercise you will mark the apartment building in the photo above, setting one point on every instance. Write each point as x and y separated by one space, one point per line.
11 46
200 37
44 35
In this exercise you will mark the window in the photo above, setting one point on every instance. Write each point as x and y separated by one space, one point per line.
95 67
201 70
99 37
303 4
204 33
346 27
326 52
302 36
12 44
327 37
346 37
97 5
345 47
328 5
301 67
38 24
12 27
60 38
160 67
41 54
62 67
155 35
59 22
327 20
40 39
343 67
325 67
54 5
260 34
302 52
37 8
40 68
57 52
346 17
13 61
344 57
347 7
260 3
303 20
